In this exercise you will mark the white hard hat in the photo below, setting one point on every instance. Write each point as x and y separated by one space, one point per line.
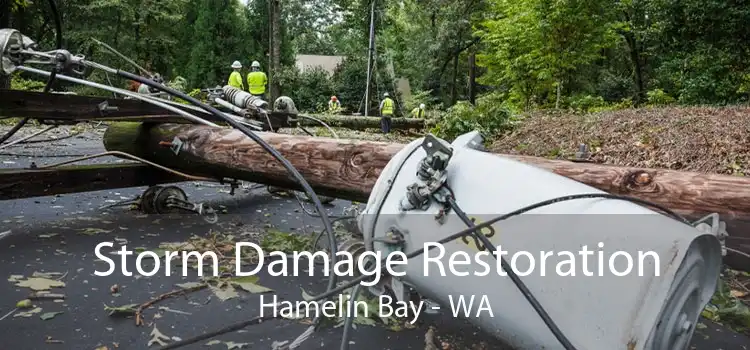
385 94
255 64
236 64
421 106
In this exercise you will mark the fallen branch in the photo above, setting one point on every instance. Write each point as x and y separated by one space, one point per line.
140 308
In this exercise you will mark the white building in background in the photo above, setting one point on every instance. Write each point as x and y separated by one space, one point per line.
327 63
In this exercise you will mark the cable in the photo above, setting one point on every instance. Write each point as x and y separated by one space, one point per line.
230 328
135 95
130 156
739 252
268 148
52 139
336 136
513 276
21 140
478 228
348 320
316 239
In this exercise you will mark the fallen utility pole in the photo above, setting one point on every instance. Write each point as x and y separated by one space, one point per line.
362 123
348 169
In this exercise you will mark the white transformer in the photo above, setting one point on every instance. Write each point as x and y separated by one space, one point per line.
637 311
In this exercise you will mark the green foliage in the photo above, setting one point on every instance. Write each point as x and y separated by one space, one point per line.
658 97
586 103
728 309
421 96
490 116
350 78
310 89
275 240
19 83
178 83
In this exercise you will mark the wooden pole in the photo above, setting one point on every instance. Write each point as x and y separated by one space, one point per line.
349 168
362 123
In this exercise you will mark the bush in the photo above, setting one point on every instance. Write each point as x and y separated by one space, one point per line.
310 89
585 103
418 97
490 116
19 83
658 97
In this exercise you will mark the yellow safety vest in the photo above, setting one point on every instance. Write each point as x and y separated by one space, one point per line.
235 80
387 107
256 82
417 113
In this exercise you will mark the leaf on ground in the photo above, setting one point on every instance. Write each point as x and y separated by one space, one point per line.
24 304
305 296
15 278
225 292
157 338
28 313
232 345
49 235
50 275
738 293
249 284
175 246
364 320
49 315
129 309
91 231
189 285
213 342
36 283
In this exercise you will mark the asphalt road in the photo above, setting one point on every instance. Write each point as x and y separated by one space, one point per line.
46 236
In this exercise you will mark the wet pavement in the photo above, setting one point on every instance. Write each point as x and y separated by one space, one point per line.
60 233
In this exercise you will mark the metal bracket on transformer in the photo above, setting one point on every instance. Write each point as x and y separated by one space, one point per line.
712 224
431 174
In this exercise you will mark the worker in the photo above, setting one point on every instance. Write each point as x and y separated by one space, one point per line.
418 112
257 80
386 113
334 105
235 79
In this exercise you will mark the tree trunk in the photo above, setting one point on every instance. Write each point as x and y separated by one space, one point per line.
348 168
454 88
275 61
362 123
472 77
635 58
4 23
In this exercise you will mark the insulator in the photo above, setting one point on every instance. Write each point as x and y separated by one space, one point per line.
243 99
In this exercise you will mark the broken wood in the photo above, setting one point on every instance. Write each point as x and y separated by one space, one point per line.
26 183
363 123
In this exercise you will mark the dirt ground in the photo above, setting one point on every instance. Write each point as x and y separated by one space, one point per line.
702 139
